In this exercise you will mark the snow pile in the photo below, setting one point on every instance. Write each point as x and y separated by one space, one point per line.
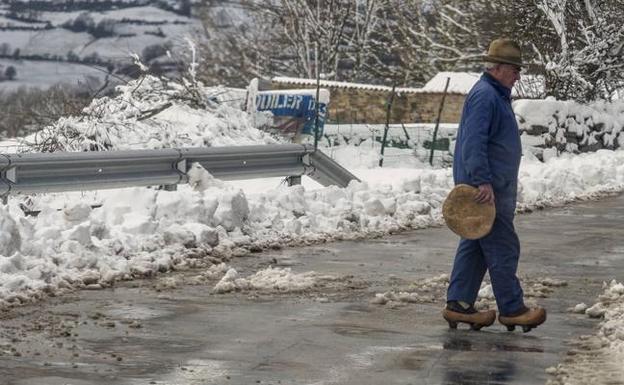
270 279
142 231
569 177
533 288
423 291
151 113
570 126
610 306
434 289
599 356
395 298
486 291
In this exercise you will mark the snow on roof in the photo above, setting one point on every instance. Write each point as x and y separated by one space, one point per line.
336 84
329 83
529 86
462 82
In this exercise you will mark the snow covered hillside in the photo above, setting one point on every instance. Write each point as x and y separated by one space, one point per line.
38 36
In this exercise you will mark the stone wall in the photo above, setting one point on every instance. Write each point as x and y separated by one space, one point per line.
567 126
368 106
423 107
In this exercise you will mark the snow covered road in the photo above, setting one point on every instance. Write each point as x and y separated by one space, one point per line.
368 313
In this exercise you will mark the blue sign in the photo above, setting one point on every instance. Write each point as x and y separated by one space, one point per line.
293 113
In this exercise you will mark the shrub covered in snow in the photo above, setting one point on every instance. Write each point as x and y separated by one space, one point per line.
152 113
569 126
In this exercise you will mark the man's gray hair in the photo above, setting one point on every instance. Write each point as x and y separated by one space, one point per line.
490 65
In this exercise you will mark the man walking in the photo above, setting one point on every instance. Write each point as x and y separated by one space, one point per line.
487 156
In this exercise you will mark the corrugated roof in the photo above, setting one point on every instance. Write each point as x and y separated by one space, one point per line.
460 83
335 84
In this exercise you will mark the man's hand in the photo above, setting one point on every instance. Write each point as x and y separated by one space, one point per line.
485 194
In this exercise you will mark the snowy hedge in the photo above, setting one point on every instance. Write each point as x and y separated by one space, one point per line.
567 126
152 113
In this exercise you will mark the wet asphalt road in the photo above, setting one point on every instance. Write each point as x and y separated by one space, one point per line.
134 334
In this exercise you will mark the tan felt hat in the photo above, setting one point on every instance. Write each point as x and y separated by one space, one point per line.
464 216
505 51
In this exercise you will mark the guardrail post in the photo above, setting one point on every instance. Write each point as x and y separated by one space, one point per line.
293 180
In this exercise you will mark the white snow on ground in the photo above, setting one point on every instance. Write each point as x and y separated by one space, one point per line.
486 291
283 280
44 74
598 356
612 329
142 231
422 291
434 289
551 112
570 126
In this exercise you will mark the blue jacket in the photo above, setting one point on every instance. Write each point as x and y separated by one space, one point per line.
488 148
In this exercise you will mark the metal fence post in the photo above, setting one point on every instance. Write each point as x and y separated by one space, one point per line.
387 127
435 131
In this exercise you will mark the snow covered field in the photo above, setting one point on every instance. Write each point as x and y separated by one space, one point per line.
44 74
91 239
130 30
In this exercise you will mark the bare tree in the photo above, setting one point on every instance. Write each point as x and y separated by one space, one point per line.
576 44
316 28
241 41
429 36
289 37
27 110
366 41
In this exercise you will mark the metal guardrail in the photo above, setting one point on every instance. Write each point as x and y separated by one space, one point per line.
328 172
71 171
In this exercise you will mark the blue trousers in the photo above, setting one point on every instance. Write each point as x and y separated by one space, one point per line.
498 253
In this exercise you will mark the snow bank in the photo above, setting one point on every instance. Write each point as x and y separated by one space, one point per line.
570 126
141 231
598 356
270 279
569 177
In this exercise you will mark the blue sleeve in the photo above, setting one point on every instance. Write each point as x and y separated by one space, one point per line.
476 132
